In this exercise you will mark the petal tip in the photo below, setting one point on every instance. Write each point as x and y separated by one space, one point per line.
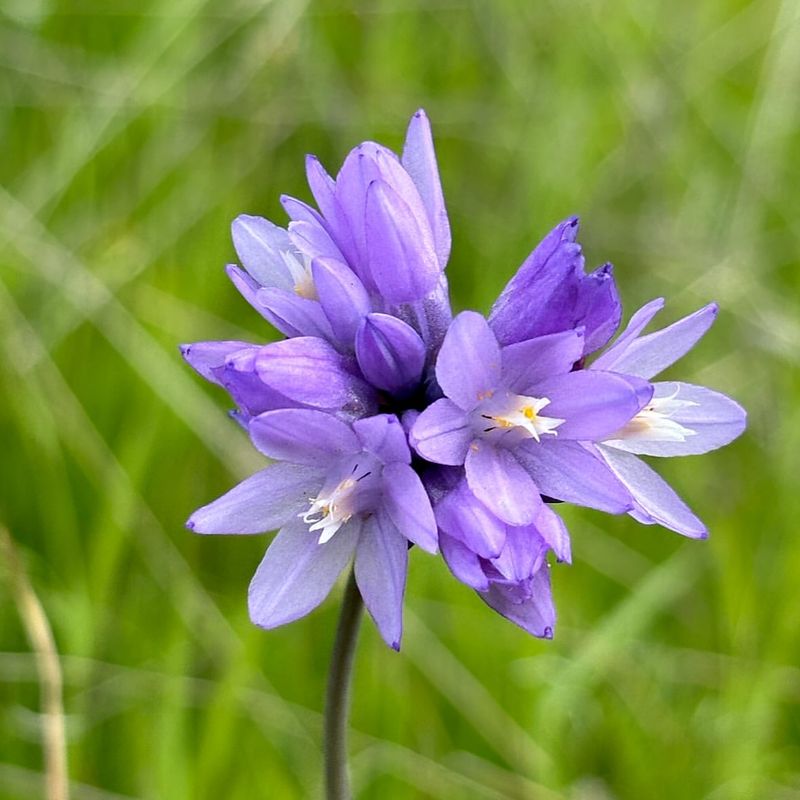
605 271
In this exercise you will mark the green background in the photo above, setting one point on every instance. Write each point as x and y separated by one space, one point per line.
133 132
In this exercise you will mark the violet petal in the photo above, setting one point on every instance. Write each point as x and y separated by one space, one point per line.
260 503
297 573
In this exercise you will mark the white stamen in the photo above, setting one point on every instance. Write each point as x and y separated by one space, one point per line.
300 272
521 413
328 513
654 422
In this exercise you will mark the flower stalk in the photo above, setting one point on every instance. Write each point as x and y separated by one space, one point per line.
337 701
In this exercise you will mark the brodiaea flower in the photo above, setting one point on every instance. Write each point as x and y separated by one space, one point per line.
680 420
504 414
338 491
517 416
379 243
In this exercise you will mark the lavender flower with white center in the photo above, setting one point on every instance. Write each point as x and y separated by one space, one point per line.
681 419
337 492
517 416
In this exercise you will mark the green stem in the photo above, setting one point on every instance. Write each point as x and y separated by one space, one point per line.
337 701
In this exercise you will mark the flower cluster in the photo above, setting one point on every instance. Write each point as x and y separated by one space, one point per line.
389 423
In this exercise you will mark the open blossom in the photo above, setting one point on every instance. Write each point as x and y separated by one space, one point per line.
516 417
681 419
336 492
391 424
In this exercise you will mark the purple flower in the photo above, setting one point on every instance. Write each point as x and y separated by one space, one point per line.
504 415
680 419
337 492
505 564
551 293
304 372
379 243
519 419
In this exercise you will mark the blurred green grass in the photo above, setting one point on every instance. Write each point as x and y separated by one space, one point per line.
133 132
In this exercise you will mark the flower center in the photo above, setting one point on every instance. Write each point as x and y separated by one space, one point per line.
654 422
340 499
300 271
518 412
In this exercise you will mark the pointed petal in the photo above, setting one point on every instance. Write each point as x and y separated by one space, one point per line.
287 311
239 377
536 614
342 296
205 357
468 365
260 503
384 437
408 506
292 314
381 567
540 298
313 240
573 473
260 244
713 421
638 322
309 371
299 211
248 287
419 160
442 433
653 495
400 253
527 363
523 553
597 307
594 404
553 530
463 517
463 563
303 436
499 481
323 188
648 355
297 573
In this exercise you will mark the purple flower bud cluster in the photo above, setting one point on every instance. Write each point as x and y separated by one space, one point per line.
388 423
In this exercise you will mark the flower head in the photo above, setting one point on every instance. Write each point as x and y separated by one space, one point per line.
504 416
337 491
